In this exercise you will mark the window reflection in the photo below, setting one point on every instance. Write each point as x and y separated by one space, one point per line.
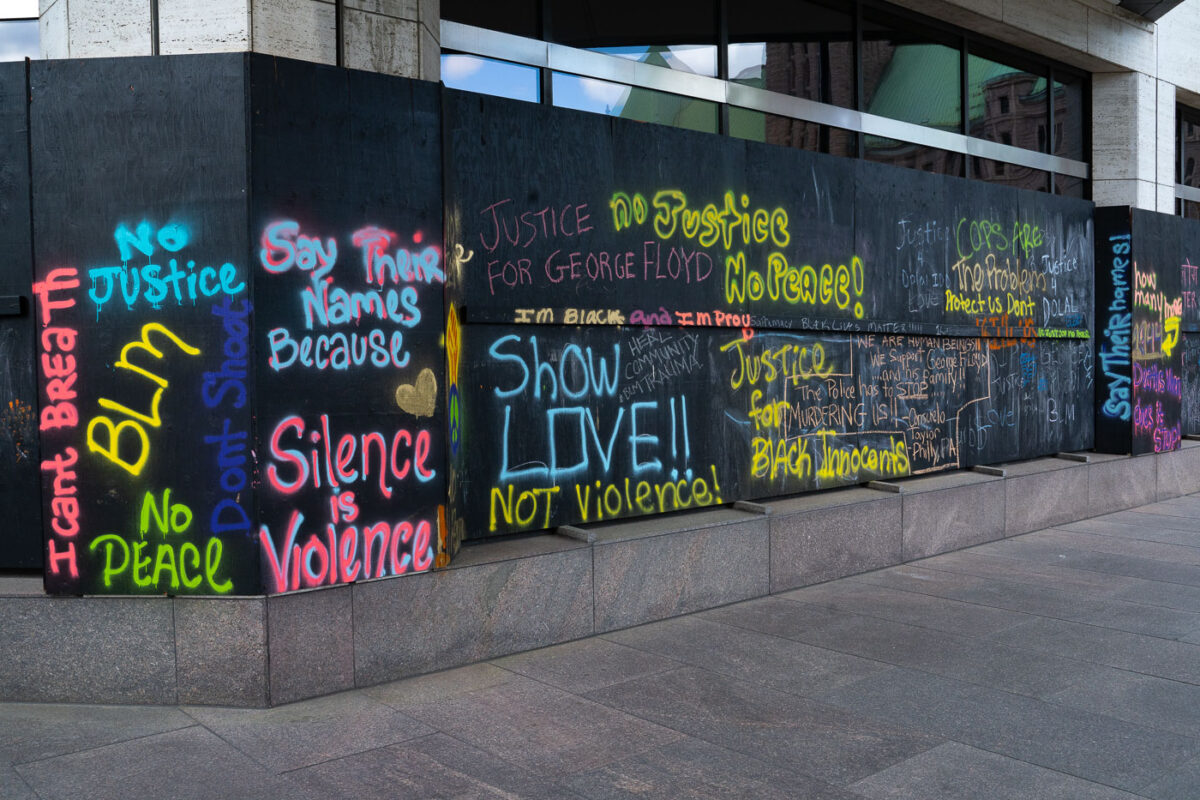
632 102
1068 118
788 132
1189 132
908 68
912 156
1010 174
910 75
518 17
677 34
1007 104
490 76
697 59
802 49
18 39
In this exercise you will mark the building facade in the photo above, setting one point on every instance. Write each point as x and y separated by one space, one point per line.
285 314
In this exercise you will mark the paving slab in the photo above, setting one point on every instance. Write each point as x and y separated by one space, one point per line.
965 658
36 731
300 734
700 770
434 766
956 771
13 786
440 685
187 764
786 731
1179 784
743 654
1044 599
1151 702
1059 663
546 731
1158 593
586 664
926 611
1082 583
1091 746
1152 521
1135 652
1134 530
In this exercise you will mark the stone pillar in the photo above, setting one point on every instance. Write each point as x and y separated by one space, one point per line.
1133 159
94 28
397 37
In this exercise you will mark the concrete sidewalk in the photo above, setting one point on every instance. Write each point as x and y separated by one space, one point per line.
1059 664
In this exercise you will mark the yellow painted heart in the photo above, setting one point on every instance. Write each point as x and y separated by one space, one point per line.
419 400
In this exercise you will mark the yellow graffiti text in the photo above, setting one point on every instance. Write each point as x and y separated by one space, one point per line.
521 509
111 448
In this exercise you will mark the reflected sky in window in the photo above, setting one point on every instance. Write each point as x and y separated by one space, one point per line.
590 94
489 76
698 59
18 39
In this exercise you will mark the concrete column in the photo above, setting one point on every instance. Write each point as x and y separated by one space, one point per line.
94 28
397 37
1125 139
1165 168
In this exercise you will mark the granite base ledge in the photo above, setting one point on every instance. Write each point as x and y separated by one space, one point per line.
677 565
1043 493
1178 472
829 535
949 512
1117 482
504 597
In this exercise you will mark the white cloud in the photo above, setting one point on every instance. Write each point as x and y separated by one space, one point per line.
746 56
18 40
602 91
457 68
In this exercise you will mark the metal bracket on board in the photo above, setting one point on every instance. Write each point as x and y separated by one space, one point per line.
10 305
579 534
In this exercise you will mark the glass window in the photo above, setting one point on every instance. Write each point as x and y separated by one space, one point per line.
1010 174
1069 123
913 156
1007 104
677 34
802 49
489 76
631 102
1068 186
519 17
745 123
1188 147
910 74
18 39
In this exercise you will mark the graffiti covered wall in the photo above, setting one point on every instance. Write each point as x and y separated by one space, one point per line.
649 320
20 536
1142 293
348 324
142 290
299 326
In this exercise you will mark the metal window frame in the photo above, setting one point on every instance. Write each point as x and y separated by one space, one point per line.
1183 192
473 40
1183 116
